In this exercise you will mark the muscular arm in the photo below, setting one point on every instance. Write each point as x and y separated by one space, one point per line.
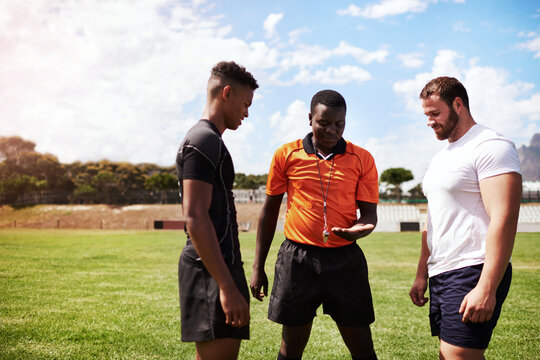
196 202
265 234
363 226
419 287
501 196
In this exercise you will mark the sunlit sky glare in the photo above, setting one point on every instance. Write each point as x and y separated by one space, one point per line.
124 80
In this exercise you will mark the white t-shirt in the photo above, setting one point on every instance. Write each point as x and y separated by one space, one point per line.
457 218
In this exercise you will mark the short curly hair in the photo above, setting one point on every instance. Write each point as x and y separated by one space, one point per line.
329 98
447 88
229 70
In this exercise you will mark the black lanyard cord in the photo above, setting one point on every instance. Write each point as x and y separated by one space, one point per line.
325 195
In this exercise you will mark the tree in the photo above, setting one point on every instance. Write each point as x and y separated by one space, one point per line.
130 177
43 167
84 193
417 192
41 186
12 147
160 182
243 181
395 177
104 181
16 186
24 170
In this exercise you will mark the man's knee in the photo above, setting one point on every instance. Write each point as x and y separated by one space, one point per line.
358 340
223 349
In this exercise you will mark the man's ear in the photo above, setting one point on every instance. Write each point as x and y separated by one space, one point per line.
226 92
310 116
458 105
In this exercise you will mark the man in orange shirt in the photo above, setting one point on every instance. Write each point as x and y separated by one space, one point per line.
327 179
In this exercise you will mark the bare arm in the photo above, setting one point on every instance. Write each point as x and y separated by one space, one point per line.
419 287
363 226
265 234
501 196
196 203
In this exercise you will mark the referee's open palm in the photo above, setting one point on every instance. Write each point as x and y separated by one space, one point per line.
356 231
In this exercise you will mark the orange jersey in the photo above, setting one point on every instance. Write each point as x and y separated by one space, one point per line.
294 171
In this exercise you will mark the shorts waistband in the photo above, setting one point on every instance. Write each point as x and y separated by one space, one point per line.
320 248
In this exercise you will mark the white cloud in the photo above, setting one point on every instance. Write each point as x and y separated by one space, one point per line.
386 8
530 107
443 65
312 55
85 83
411 60
295 34
408 147
270 23
528 34
532 45
291 126
334 76
506 107
361 55
239 145
459 26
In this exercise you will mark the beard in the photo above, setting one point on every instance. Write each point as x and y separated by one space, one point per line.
447 129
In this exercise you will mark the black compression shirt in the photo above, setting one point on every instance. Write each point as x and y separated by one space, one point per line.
203 156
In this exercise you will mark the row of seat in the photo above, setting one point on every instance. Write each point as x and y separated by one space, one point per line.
529 214
389 213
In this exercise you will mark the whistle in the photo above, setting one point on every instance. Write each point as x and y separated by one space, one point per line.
325 235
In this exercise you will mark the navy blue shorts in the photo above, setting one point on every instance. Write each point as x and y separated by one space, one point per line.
446 292
307 276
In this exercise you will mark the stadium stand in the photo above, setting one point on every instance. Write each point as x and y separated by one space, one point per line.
529 218
529 214
391 216
403 217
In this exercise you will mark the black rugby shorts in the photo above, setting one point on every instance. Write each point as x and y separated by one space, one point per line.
202 317
307 276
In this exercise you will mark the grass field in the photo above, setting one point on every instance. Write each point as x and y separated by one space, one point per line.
68 294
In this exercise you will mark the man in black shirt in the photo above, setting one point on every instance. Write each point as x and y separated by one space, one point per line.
213 290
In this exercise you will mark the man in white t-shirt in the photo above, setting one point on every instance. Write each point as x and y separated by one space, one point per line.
473 187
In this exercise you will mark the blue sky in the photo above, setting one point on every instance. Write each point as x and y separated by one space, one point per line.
123 80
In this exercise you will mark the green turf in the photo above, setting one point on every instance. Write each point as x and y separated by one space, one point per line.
68 294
